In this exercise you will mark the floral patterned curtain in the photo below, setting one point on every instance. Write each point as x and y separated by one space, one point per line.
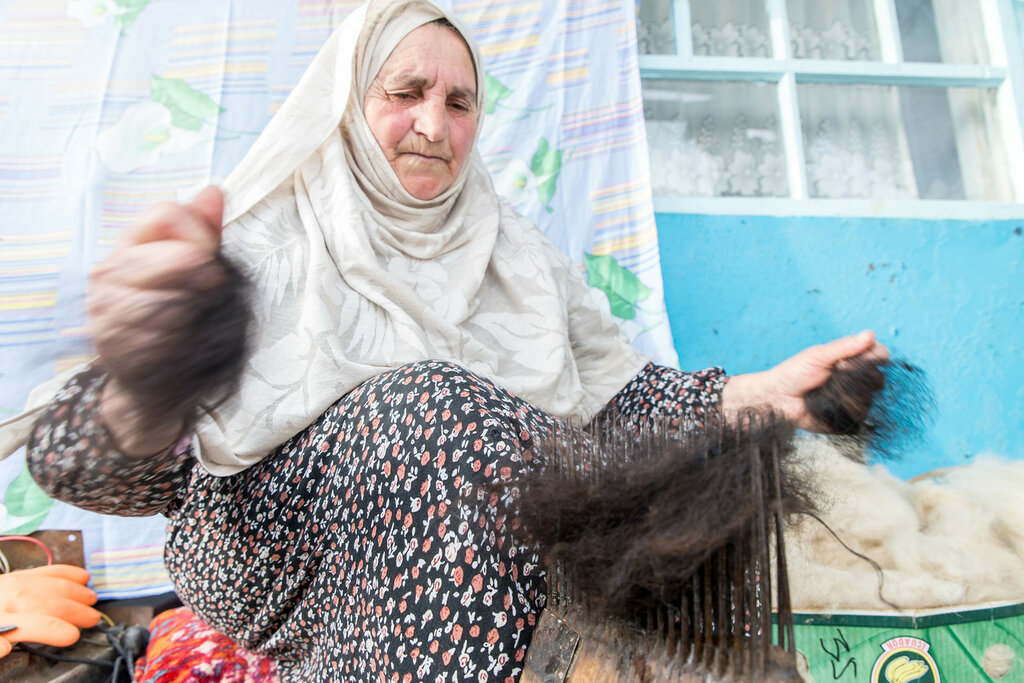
107 106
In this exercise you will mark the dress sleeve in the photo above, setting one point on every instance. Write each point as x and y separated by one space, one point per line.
686 400
73 457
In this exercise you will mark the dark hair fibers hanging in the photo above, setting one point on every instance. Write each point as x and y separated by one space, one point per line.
671 539
667 550
629 516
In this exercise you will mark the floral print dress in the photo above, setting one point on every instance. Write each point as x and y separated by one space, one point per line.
369 547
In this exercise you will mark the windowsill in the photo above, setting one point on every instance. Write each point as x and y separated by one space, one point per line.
654 67
849 208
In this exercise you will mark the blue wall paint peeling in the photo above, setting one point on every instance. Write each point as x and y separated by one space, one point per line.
746 292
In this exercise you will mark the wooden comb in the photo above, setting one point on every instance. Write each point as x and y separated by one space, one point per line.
664 553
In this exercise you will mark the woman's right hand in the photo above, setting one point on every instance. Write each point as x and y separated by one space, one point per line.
784 388
139 295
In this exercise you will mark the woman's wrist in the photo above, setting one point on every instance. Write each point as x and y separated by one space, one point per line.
761 391
744 392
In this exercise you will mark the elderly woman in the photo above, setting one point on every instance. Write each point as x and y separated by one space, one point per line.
412 339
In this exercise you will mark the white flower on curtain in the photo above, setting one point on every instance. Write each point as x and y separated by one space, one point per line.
93 12
701 39
725 41
743 176
851 168
839 41
772 174
514 182
655 37
804 42
846 43
680 167
748 162
142 136
175 119
755 42
730 40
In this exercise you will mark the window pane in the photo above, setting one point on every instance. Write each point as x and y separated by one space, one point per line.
854 142
878 142
714 139
730 28
837 29
942 31
654 27
978 144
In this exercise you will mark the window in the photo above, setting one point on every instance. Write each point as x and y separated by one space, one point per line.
901 100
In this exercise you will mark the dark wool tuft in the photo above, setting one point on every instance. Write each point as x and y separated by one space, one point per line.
200 350
874 408
627 518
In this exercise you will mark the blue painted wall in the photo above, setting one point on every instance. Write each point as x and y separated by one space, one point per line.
746 292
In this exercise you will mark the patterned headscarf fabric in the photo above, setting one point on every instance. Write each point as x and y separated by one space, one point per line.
352 275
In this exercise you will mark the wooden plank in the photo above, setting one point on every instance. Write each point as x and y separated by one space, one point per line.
65 546
551 651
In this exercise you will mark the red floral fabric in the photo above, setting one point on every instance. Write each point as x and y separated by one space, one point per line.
182 649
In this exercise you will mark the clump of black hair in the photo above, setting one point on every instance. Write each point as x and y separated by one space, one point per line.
873 408
199 349
681 536
627 519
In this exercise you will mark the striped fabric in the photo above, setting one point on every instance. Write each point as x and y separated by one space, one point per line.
127 569
107 106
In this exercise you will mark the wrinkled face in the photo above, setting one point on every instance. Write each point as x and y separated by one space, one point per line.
421 109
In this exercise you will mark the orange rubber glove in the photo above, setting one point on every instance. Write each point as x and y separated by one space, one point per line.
45 605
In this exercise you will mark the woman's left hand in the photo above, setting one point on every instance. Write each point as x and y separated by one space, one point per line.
783 387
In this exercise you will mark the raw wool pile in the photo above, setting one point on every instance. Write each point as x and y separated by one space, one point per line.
952 539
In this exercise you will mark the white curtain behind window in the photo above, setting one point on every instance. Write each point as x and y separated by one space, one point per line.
860 141
979 141
735 28
833 29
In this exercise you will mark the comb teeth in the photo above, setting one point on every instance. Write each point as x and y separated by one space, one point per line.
665 604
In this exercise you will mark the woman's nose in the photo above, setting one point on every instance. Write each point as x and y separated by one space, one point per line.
432 120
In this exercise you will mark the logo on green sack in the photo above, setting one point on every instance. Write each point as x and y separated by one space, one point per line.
905 660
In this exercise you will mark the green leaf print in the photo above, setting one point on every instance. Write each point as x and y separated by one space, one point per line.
27 505
623 289
496 92
546 165
188 107
131 12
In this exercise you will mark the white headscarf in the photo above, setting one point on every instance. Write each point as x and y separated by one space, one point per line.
353 276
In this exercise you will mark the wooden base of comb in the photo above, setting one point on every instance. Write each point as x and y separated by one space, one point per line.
567 647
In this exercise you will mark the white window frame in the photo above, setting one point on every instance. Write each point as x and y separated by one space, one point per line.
1004 73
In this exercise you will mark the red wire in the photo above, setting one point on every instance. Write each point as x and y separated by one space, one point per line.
49 555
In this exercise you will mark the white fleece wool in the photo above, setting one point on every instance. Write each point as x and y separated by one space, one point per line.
951 539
